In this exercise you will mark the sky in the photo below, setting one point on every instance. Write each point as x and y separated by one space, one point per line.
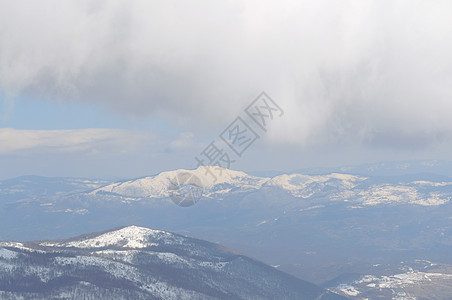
121 89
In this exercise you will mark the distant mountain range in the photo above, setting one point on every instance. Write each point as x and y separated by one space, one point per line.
357 190
140 263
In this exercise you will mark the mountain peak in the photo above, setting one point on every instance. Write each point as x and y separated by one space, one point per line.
157 186
125 237
210 175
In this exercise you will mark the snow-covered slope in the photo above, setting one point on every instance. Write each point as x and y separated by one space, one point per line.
141 263
305 186
419 279
214 180
127 237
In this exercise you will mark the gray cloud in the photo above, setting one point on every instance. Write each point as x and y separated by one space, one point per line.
342 71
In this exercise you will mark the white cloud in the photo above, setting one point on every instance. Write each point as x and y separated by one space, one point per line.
78 141
184 141
93 152
366 72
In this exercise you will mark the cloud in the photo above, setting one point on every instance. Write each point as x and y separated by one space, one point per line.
359 72
91 142
183 142
93 152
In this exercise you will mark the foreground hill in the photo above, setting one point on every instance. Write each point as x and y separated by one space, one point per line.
140 263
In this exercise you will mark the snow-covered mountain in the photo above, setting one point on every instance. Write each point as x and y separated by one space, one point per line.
140 263
357 190
215 181
305 186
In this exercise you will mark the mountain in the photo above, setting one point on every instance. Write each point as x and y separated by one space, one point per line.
385 168
355 189
32 187
140 263
314 226
215 182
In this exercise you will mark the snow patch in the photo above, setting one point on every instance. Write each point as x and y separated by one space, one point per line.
348 290
7 254
128 237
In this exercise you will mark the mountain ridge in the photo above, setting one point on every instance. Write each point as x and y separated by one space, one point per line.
172 267
359 189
